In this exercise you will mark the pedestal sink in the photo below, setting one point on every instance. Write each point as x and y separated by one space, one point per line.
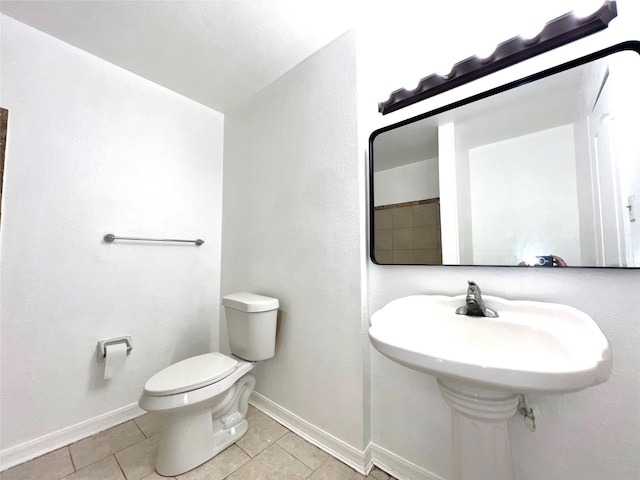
483 364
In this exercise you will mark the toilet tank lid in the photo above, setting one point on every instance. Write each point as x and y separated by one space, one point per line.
250 302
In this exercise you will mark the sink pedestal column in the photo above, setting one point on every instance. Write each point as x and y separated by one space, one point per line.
481 446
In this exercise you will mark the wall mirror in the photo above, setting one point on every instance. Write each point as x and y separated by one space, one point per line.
543 171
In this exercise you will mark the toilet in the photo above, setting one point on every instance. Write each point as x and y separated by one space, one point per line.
205 398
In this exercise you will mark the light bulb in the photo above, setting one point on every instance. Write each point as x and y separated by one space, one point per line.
531 31
587 7
413 85
445 71
486 51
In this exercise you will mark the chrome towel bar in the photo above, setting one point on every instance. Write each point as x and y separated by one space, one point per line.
110 237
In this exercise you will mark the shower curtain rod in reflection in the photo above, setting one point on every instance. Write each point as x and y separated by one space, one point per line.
110 237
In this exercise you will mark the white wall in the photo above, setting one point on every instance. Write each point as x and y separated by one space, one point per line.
94 149
464 202
592 434
626 104
291 229
407 183
584 189
450 211
543 218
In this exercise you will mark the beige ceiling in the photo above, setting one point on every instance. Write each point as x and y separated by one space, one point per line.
218 53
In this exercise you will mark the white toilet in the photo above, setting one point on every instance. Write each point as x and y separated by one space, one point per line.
205 398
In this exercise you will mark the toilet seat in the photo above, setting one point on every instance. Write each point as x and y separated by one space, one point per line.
190 374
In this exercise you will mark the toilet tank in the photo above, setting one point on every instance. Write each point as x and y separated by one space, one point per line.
251 324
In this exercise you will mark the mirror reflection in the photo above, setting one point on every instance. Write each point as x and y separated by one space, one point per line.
543 174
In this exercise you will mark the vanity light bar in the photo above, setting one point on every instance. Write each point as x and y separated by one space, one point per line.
559 31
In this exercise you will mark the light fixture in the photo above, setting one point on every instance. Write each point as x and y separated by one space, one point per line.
559 31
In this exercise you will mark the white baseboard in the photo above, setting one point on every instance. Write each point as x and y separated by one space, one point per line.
23 452
368 458
398 466
332 445
361 461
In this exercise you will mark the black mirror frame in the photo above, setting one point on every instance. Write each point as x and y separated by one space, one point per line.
631 45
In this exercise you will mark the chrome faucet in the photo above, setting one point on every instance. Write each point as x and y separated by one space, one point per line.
475 306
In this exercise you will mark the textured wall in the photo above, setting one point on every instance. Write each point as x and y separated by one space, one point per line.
291 230
95 149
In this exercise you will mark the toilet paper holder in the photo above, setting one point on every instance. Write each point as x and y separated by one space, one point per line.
103 344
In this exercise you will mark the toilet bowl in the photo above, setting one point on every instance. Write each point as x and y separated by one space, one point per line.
205 398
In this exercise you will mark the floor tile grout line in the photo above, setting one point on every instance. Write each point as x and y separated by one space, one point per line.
251 459
296 457
245 452
112 453
100 433
120 466
138 426
310 473
291 455
274 442
73 464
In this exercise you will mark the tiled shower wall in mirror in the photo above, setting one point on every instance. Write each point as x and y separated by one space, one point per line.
408 233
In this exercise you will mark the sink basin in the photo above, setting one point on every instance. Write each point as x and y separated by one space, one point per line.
484 364
532 347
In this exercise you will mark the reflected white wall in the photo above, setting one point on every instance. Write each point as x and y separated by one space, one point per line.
408 183
524 199
626 102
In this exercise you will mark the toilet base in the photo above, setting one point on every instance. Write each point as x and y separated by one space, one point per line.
195 434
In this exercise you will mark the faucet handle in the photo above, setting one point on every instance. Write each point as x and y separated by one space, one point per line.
473 288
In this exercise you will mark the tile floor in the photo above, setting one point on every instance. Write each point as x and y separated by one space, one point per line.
127 452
